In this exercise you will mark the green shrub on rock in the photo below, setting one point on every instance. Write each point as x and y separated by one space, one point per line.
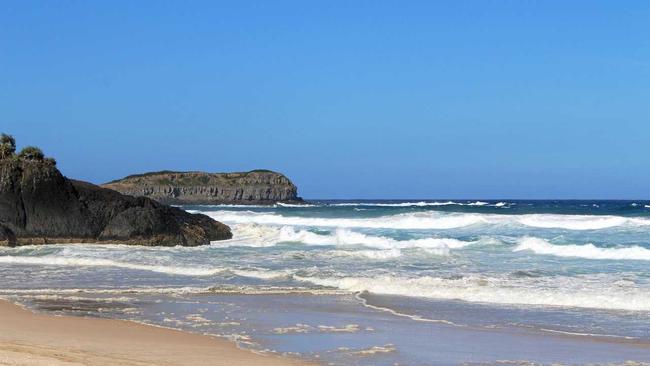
31 153
7 146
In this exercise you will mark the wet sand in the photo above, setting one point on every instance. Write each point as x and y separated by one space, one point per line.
28 338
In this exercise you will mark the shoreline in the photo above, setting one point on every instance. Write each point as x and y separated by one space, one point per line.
38 338
29 338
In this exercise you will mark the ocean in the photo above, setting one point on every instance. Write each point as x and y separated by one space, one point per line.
420 282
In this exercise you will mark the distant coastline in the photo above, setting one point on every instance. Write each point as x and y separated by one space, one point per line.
256 187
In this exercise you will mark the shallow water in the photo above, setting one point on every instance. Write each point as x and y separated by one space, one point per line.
378 283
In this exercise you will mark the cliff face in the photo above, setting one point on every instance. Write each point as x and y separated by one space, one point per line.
255 187
38 205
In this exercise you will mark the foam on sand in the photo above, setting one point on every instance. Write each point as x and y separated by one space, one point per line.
39 339
388 348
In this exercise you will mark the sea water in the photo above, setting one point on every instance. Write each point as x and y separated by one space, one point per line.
378 282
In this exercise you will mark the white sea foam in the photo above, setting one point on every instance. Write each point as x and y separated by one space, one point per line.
224 205
298 328
372 254
586 292
556 291
66 261
388 348
348 328
435 220
414 220
588 251
263 236
186 290
477 203
53 260
417 204
388 254
347 237
57 296
575 222
355 204
295 205
398 204
579 291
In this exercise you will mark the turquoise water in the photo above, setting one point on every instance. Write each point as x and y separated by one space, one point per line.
383 282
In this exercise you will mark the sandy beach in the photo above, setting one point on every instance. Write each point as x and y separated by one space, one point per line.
28 338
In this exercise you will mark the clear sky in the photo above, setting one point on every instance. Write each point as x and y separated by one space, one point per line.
350 99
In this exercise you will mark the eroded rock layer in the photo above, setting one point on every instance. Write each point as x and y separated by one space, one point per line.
254 187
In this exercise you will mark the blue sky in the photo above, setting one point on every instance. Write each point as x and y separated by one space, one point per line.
351 99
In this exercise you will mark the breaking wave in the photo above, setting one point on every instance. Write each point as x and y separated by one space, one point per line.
51 260
418 204
434 220
185 290
171 269
255 235
558 292
295 205
575 222
588 251
420 220
362 204
586 291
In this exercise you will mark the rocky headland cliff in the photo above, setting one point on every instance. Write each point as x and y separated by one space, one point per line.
254 187
38 205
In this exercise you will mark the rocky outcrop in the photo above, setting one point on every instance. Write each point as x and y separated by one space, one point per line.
38 205
254 187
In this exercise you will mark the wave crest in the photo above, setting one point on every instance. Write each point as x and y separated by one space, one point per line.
571 292
573 222
264 236
433 220
417 204
587 251
415 220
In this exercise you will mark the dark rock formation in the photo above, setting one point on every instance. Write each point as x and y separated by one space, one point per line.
38 205
254 187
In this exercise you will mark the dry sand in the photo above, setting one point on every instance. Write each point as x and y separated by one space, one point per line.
33 339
